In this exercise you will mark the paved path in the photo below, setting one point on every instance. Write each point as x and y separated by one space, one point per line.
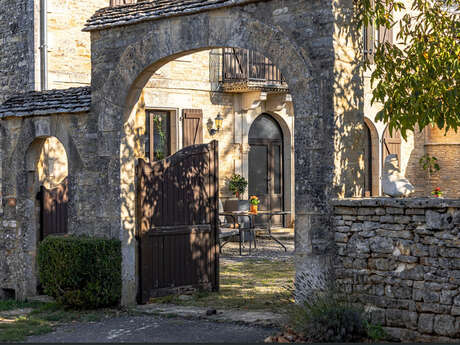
154 329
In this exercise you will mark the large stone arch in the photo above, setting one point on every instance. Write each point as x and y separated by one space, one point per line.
123 59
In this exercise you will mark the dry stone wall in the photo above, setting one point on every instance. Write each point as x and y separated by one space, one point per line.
400 258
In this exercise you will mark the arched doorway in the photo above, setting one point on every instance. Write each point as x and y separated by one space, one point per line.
47 184
47 170
266 173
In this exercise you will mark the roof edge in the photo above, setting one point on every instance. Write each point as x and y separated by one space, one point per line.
128 19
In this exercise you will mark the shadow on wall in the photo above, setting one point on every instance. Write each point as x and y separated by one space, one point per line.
348 98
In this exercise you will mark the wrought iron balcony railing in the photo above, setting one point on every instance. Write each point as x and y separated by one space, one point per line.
242 66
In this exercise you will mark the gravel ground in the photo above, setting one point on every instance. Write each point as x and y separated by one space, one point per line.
154 329
267 249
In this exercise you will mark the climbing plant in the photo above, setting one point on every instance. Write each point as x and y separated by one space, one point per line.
416 77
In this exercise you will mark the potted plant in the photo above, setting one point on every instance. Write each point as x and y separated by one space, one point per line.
237 185
437 193
254 204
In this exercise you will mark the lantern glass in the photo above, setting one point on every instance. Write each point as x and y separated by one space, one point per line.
219 120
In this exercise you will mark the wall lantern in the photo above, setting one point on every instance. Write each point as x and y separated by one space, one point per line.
218 121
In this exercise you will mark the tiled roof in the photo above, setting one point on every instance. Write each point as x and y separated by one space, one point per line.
134 13
73 100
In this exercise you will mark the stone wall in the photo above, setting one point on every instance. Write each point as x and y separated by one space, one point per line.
69 49
17 44
400 258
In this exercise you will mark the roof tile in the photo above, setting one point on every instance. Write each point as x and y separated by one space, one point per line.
134 13
72 100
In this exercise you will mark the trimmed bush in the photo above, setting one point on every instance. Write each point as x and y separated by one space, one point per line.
81 272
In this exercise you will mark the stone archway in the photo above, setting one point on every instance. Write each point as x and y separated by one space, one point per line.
124 58
23 141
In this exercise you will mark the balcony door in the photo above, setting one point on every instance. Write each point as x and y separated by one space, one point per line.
266 166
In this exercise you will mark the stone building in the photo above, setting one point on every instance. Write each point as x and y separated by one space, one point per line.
139 64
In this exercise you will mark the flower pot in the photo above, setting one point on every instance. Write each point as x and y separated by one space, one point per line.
253 208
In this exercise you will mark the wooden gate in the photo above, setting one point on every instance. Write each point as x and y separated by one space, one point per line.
53 209
177 205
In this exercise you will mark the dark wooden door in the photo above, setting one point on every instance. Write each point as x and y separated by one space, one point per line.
177 229
53 209
266 167
391 145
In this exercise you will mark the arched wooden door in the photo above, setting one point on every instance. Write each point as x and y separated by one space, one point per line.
266 166
391 144
367 161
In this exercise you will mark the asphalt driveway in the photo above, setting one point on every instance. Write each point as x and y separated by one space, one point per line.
154 329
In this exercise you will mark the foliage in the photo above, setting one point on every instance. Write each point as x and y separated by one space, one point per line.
375 332
429 163
81 272
159 153
328 318
254 200
325 314
237 185
417 77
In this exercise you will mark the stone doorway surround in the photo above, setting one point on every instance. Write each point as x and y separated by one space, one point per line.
127 50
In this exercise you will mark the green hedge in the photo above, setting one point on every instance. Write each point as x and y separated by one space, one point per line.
81 272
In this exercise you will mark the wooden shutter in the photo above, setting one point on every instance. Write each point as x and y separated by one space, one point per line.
192 127
391 145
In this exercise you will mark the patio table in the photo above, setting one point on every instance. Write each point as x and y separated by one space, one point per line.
251 217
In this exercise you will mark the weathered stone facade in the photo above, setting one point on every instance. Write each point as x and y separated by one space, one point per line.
400 258
314 45
18 44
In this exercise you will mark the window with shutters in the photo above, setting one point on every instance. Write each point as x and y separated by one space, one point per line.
375 35
192 127
158 138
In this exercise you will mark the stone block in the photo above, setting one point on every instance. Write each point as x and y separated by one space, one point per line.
370 226
426 295
387 219
433 308
444 325
415 211
381 245
439 221
425 323
380 211
366 211
394 210
402 219
357 227
419 250
341 210
356 244
401 318
401 334
341 237
418 219
455 311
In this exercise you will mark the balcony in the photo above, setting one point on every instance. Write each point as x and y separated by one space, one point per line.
246 70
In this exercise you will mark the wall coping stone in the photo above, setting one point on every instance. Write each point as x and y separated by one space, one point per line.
109 17
397 202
